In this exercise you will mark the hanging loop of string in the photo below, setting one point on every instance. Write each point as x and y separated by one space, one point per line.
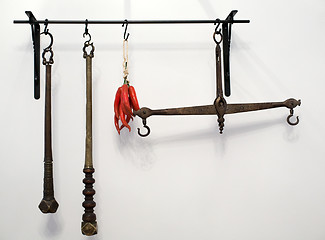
125 54
125 61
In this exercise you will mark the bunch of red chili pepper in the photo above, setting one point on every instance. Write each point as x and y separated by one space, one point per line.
125 101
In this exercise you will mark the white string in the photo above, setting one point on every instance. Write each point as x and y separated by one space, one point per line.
125 60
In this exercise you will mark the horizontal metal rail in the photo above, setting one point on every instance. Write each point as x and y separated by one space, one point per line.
129 21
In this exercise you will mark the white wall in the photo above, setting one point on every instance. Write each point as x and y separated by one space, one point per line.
261 179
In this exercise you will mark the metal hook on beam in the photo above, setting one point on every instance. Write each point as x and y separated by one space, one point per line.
144 121
291 115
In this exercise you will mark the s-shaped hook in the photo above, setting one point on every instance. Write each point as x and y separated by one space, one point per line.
86 33
46 32
48 49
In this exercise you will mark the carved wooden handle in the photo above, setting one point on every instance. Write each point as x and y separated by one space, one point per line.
89 224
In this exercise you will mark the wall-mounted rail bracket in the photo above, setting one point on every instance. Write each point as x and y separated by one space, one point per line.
226 34
36 46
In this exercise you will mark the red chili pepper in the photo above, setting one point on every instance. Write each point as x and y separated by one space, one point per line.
124 122
125 100
133 98
131 105
117 102
128 118
116 124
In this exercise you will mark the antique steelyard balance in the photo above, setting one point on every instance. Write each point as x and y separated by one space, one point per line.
219 107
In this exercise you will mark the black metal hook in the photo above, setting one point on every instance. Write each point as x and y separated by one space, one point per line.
217 21
217 32
86 33
214 37
46 25
86 26
126 36
46 32
291 115
144 121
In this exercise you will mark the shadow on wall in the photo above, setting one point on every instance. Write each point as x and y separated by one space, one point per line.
229 131
208 8
143 159
52 226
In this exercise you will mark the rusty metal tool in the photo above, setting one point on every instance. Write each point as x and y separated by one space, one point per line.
219 106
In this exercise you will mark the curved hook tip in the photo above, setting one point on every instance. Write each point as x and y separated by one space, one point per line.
127 36
51 39
87 34
146 134
292 123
